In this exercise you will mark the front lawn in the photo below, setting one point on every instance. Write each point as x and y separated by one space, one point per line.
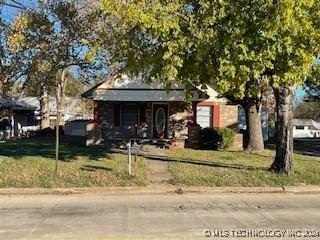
235 168
29 163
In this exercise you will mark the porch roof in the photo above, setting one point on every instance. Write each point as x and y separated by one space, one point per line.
135 89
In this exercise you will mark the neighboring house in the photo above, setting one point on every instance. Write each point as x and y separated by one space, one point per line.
306 128
264 121
73 109
126 108
17 117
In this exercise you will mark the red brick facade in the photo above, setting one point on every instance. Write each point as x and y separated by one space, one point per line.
181 124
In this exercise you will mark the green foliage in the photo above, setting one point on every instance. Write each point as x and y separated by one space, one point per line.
209 138
227 136
236 46
307 110
216 138
312 84
73 88
7 62
51 37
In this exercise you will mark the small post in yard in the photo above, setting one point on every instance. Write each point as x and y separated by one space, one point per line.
57 133
129 157
135 164
135 149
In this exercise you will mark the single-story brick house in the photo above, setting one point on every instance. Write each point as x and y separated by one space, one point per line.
127 107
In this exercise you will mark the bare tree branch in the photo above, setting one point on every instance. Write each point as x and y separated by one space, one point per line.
12 3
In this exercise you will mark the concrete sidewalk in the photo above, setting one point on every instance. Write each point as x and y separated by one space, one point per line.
159 189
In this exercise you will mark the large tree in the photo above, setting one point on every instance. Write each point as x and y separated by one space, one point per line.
5 64
54 37
181 40
294 38
232 45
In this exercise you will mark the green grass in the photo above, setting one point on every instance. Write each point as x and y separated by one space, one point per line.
29 163
235 168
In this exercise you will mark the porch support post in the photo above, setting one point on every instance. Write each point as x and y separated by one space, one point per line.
12 126
129 157
95 111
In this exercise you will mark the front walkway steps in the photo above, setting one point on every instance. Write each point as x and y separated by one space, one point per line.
157 168
158 172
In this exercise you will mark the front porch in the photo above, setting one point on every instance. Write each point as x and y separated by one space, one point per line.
156 123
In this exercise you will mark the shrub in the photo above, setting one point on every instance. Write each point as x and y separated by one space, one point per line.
216 138
227 136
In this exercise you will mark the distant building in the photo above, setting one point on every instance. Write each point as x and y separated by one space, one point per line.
72 109
306 128
15 117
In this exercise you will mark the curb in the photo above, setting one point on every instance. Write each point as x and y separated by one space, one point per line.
157 190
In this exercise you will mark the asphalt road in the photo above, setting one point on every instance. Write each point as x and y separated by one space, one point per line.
153 216
307 146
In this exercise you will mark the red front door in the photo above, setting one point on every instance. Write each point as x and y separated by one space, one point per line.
160 121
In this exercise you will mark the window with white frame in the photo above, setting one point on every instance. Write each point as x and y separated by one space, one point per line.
204 116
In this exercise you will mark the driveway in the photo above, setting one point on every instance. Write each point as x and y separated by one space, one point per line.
153 216
307 146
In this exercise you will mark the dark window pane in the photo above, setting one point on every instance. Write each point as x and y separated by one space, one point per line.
116 115
142 113
129 115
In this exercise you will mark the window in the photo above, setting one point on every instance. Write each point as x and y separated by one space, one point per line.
129 115
142 113
204 116
300 127
116 115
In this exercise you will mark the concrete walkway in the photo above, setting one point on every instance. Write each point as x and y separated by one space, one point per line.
157 169
158 172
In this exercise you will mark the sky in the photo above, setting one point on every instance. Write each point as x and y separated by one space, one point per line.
9 13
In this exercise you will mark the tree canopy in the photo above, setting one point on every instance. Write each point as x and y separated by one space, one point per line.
235 46
225 43
312 84
307 110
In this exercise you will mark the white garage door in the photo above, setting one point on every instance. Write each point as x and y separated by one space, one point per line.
204 116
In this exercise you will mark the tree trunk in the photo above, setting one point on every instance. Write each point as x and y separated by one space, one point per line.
283 161
60 88
254 137
44 108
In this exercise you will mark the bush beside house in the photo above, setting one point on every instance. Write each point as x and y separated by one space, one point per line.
216 138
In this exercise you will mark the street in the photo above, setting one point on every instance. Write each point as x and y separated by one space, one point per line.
307 146
92 216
